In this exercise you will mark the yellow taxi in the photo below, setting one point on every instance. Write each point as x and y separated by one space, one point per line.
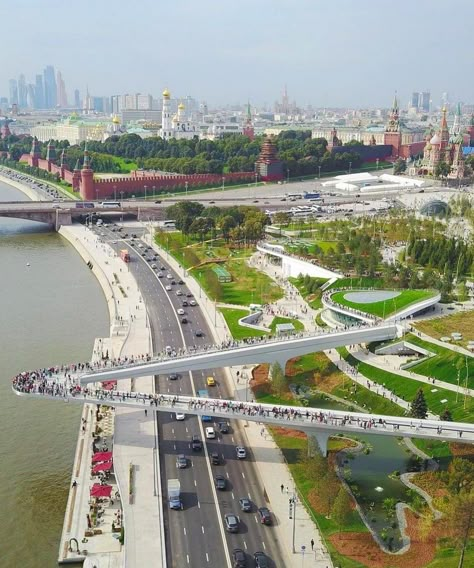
211 382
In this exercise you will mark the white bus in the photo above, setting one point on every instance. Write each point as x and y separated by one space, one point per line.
111 204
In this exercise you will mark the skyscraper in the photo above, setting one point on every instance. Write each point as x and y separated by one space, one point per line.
50 91
425 97
61 91
22 92
77 98
415 100
13 92
39 92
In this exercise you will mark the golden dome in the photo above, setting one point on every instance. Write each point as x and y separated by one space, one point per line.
181 106
166 94
116 119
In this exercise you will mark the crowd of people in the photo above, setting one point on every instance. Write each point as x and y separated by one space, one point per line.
42 382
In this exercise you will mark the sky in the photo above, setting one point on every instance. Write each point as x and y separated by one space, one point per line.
344 53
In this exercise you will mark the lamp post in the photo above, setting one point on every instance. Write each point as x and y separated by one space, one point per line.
186 187
121 203
350 167
256 178
145 192
287 175
153 192
115 193
377 162
97 194
223 183
319 172
292 515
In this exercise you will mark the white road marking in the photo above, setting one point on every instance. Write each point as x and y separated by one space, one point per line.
184 529
202 527
187 558
243 475
195 483
245 545
207 556
233 496
263 544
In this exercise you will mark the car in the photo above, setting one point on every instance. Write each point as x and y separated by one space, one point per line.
173 282
181 461
154 266
264 515
184 320
173 377
196 443
231 522
180 282
241 452
283 199
211 202
223 427
239 560
179 293
198 333
56 206
261 560
158 201
215 460
180 416
220 482
211 381
162 267
134 236
210 433
192 303
180 312
160 275
184 304
169 276
245 505
189 295
168 288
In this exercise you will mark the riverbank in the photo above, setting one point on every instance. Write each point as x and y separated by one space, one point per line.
25 189
129 335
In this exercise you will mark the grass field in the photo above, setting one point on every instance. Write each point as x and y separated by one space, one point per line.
444 365
313 298
358 282
278 319
462 322
237 331
406 389
387 307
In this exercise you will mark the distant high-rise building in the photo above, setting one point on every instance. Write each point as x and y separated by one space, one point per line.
424 104
50 89
61 95
445 100
13 92
22 91
30 96
39 92
77 98
415 100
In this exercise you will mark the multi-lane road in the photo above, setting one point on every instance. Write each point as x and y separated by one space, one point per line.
197 536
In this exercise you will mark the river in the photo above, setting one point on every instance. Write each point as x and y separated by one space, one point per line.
51 310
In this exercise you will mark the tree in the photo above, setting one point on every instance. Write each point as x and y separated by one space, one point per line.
442 170
278 378
399 166
460 475
458 521
446 415
342 508
282 218
419 408
227 223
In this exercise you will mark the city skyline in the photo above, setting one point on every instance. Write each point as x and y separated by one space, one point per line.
321 57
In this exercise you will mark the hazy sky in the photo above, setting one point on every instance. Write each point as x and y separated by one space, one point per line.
329 53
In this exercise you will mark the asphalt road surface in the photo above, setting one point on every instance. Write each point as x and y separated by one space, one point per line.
196 536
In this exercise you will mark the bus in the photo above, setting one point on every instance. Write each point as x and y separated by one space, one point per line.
204 394
292 196
111 204
84 205
312 195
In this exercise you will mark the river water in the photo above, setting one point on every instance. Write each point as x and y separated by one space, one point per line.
50 312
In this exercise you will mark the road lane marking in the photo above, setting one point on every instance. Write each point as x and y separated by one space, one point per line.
202 528
233 496
245 545
195 483
263 544
207 556
184 529
243 475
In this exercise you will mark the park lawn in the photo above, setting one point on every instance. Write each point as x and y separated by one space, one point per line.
358 282
326 245
248 286
407 388
237 331
127 165
449 557
462 322
387 307
443 366
278 319
433 448
313 299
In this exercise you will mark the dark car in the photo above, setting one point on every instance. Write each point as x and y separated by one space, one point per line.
220 482
184 304
184 320
196 443
245 505
223 427
261 560
180 282
198 333
173 282
162 267
189 295
239 559
265 516
173 377
158 201
215 458
231 522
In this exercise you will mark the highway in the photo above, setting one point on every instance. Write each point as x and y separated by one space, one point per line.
195 536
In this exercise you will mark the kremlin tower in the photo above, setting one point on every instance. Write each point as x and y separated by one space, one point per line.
268 166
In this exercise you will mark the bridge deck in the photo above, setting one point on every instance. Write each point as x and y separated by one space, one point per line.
310 420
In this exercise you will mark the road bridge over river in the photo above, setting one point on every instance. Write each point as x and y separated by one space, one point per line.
318 424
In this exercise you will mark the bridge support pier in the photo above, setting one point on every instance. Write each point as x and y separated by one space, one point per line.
317 442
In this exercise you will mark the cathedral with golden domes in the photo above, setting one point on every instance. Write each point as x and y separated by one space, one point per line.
178 126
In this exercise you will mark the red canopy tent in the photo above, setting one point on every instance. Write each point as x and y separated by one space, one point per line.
101 457
98 490
108 385
104 466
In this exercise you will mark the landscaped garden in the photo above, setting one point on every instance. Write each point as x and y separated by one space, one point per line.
382 308
461 322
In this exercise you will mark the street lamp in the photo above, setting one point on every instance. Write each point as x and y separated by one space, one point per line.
256 178
287 175
97 194
186 187
350 167
319 172
145 192
153 192
223 183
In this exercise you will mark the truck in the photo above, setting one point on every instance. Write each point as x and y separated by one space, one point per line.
125 255
174 499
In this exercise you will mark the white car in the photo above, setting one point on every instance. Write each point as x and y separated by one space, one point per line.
179 416
140 246
179 293
168 288
180 312
169 276
241 453
210 433
192 303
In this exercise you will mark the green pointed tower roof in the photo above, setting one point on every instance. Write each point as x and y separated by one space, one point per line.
86 165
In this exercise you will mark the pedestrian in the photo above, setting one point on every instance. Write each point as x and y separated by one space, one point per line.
146 412
312 544
282 487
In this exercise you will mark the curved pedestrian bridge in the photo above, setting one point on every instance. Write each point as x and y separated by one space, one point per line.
317 423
